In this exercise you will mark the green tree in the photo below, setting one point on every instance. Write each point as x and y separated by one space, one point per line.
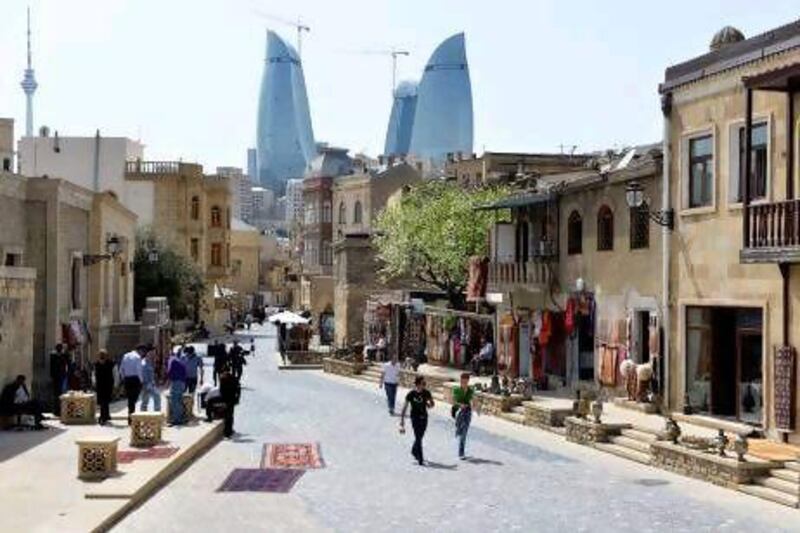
431 233
171 275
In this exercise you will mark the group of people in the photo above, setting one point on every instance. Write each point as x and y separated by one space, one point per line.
419 400
234 359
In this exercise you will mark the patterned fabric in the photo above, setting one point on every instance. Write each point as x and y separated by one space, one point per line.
260 480
157 452
293 456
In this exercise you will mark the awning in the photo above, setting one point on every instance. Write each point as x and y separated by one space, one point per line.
222 292
518 200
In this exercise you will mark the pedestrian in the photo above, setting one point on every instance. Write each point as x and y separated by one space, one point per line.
420 400
230 391
380 349
484 357
104 385
282 341
237 361
150 389
194 368
252 346
220 359
390 376
58 375
248 320
130 368
16 400
176 373
463 402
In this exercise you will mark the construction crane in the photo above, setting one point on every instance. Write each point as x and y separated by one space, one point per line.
394 53
298 25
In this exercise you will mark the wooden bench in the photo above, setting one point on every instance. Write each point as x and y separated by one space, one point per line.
78 408
97 457
146 429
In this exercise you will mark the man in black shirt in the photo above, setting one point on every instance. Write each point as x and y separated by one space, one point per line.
420 400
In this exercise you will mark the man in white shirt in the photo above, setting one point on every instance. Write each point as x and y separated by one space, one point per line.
130 368
390 376
17 400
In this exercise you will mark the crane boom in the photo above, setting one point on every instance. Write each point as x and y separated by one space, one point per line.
297 25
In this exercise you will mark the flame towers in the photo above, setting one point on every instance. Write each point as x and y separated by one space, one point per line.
441 107
285 140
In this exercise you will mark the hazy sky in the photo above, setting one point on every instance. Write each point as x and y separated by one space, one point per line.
183 75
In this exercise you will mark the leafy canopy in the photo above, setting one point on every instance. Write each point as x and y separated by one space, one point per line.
431 233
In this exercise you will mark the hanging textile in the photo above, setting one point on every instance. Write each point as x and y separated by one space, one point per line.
569 316
478 276
546 329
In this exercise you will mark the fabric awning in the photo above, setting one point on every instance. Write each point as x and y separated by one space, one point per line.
518 200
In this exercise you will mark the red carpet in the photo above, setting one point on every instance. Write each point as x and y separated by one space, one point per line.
294 456
157 452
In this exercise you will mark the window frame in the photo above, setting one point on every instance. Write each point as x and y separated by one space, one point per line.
736 160
605 229
358 213
574 241
216 254
639 227
216 217
342 213
194 208
687 138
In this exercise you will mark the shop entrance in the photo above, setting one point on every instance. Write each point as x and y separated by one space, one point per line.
724 361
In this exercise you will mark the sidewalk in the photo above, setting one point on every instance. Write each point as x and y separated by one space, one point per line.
41 490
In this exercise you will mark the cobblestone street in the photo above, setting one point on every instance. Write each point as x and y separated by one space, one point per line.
519 479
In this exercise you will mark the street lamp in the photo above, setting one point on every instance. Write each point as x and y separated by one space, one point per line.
635 198
113 249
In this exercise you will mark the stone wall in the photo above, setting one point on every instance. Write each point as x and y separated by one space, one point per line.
584 431
305 358
494 404
545 417
342 368
724 471
16 322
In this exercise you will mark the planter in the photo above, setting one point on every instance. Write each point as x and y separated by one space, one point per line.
723 471
307 357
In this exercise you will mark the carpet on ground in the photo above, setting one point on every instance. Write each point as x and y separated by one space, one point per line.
156 452
261 480
285 455
773 451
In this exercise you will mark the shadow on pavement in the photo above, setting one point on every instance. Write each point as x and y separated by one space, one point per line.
440 466
13 443
479 461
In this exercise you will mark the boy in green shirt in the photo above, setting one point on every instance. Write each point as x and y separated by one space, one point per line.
463 399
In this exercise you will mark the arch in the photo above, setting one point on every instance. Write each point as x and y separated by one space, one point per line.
358 214
342 213
195 208
574 233
605 228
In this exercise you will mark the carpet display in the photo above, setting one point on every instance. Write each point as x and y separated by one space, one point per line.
157 452
261 480
293 456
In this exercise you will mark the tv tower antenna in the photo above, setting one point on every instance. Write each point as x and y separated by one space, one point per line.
29 85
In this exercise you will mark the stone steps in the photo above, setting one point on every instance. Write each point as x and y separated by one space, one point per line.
623 452
632 444
787 474
640 435
788 487
518 409
517 418
770 494
792 465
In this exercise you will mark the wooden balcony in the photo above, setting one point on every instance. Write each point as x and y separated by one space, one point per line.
505 276
773 233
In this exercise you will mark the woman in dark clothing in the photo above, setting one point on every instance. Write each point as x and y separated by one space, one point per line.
230 391
420 400
104 385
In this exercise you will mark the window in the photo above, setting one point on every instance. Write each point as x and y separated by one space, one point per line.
574 234
236 268
640 227
76 282
326 255
342 214
216 217
605 229
13 259
216 254
228 218
701 171
326 212
195 249
357 214
195 208
758 163
7 164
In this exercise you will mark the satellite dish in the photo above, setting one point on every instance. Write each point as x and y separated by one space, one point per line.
626 159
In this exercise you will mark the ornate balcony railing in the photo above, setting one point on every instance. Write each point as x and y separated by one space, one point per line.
162 168
773 232
505 274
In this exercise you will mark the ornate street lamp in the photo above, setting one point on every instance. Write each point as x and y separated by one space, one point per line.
636 199
113 249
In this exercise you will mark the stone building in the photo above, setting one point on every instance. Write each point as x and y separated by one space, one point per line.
245 258
576 257
732 276
493 168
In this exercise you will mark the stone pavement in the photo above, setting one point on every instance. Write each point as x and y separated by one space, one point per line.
519 479
38 475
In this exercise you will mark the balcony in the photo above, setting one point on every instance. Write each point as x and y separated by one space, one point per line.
504 276
773 233
151 169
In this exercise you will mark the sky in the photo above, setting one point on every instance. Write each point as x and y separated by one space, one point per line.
183 75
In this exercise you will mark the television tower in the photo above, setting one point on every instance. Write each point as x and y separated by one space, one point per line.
29 85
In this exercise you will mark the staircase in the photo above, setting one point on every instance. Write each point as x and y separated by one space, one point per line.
781 486
372 374
516 415
632 444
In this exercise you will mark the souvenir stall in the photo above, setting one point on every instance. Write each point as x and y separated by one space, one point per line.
377 323
612 348
454 337
507 346
579 325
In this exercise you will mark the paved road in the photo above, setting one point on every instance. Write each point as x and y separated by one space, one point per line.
520 480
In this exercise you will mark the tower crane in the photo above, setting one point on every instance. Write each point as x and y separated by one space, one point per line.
297 25
394 53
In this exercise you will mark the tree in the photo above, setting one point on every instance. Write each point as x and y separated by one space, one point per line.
171 275
431 233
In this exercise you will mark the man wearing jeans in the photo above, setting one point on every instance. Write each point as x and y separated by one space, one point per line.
149 384
390 376
130 368
176 372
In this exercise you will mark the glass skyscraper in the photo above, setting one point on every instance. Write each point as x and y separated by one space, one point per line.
285 140
401 121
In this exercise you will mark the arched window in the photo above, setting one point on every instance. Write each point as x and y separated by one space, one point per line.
342 213
574 234
605 229
357 214
216 217
195 208
326 254
326 212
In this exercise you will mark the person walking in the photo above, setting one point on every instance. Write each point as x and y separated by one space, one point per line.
252 346
463 401
194 368
237 361
130 368
390 376
221 360
104 385
230 391
420 400
283 341
176 373
150 388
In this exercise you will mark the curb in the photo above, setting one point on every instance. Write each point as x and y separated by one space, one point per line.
299 367
162 478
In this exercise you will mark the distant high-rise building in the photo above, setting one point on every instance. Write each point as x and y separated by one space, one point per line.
294 200
443 115
29 85
252 164
241 196
285 139
401 121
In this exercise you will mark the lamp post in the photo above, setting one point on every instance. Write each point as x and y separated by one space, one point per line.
113 249
636 199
